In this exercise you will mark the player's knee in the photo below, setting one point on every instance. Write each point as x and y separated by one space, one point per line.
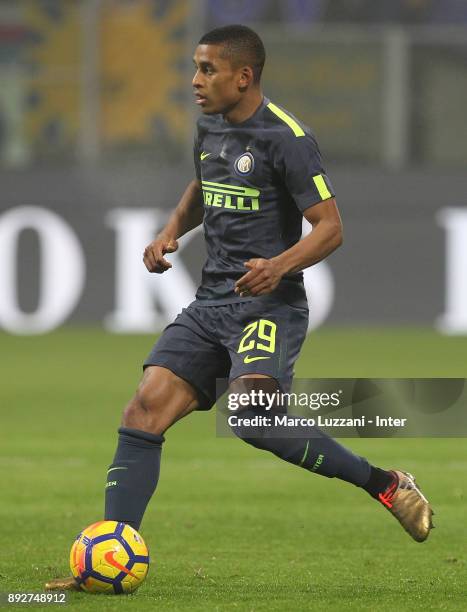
149 398
158 402
145 408
252 423
132 414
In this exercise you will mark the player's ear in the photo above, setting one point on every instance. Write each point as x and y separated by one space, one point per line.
245 78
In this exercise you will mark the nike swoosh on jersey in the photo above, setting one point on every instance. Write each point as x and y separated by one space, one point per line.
249 359
204 155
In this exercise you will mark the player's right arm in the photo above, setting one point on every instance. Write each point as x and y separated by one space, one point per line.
187 216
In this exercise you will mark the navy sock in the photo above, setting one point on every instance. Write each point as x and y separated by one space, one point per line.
317 452
378 482
132 478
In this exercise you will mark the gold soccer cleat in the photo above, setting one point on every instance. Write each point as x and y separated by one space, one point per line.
62 584
406 502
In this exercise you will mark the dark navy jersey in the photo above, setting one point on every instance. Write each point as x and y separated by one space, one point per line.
257 178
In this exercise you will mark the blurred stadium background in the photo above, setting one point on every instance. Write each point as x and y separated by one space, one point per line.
96 129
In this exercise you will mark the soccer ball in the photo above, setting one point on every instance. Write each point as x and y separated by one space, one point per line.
109 557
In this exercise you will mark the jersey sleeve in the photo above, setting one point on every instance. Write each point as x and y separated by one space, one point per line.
297 160
196 158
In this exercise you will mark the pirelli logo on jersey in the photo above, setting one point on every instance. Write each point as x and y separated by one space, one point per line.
232 197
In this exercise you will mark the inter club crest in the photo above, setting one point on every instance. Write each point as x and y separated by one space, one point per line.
244 164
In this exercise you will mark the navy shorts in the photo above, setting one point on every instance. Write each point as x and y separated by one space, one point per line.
205 343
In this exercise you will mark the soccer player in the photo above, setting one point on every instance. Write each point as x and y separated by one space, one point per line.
258 171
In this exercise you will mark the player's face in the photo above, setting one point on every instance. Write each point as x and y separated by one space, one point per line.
217 84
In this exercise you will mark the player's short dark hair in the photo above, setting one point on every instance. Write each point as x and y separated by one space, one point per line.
241 46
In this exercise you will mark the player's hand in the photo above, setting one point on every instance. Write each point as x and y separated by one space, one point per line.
154 254
263 277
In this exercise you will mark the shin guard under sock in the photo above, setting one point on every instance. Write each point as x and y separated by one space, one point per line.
316 452
132 478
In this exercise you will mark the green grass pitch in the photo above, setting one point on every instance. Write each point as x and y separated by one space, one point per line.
231 527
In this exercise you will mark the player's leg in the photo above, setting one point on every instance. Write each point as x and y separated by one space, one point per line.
179 377
317 452
268 345
266 341
310 448
161 399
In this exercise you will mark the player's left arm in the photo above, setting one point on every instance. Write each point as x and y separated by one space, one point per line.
326 237
296 160
265 274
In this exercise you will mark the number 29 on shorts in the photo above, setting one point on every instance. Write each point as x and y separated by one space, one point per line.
259 335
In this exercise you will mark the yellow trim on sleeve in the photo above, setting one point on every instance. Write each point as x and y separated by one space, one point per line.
293 125
322 188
